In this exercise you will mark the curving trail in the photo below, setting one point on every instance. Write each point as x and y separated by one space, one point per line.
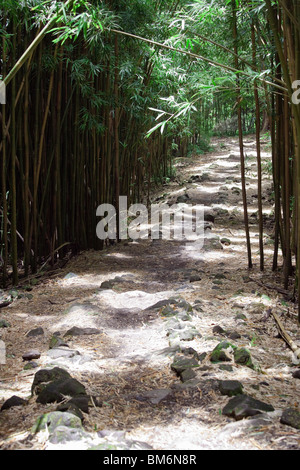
152 304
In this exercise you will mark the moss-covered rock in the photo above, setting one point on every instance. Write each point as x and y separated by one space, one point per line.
223 352
44 376
243 357
230 387
54 419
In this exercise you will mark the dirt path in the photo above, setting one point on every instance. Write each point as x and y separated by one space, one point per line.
128 367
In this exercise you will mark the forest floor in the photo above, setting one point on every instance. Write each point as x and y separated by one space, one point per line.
139 399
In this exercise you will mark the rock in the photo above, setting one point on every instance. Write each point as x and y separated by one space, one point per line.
35 332
222 352
2 353
219 276
240 316
218 330
182 363
291 417
30 355
230 387
54 392
187 375
192 352
30 365
107 285
64 434
198 308
195 278
57 353
115 440
233 335
57 342
184 316
186 334
4 324
296 374
70 408
45 376
70 276
155 396
243 406
182 199
75 331
218 282
168 311
225 241
52 420
208 217
184 305
159 304
226 367
82 402
212 243
13 401
242 356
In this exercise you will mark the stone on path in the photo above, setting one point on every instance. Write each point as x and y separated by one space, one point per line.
291 417
13 401
35 332
243 406
57 390
76 331
230 387
30 355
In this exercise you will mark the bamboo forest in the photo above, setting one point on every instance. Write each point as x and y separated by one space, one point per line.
150 227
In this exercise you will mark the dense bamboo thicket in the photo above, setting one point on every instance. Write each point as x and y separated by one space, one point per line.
107 92
73 134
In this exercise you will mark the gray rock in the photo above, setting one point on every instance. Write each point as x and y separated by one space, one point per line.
291 417
243 406
155 396
35 332
64 434
76 331
233 335
30 355
70 276
57 353
55 419
185 334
